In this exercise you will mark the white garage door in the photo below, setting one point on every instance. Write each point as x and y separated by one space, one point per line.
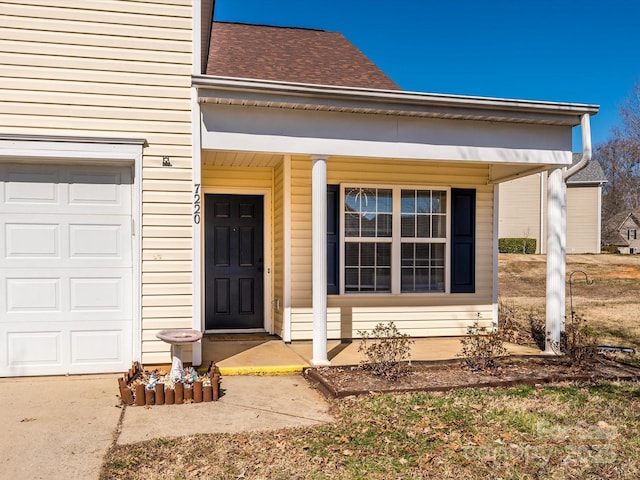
66 278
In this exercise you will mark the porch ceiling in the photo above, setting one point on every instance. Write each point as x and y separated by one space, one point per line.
214 158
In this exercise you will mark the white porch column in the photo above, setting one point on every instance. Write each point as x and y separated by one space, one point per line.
319 259
556 258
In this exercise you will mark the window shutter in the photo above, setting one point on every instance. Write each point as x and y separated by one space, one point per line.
333 237
463 240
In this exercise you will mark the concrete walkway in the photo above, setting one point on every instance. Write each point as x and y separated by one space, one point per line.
61 427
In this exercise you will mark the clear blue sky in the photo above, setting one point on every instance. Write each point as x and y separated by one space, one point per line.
582 51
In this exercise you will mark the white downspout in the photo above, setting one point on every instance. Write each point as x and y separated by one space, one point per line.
542 247
556 242
585 124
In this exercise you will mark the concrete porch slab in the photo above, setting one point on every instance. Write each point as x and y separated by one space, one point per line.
273 356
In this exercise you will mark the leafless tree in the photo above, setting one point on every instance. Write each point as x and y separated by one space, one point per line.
620 160
630 116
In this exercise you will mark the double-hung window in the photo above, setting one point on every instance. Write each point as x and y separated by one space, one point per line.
423 240
395 239
368 215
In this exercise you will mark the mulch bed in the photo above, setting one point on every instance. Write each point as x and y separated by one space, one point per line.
339 382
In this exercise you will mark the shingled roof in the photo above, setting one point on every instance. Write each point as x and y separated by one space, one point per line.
611 234
592 174
295 55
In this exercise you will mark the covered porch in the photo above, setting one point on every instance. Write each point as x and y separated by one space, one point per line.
286 144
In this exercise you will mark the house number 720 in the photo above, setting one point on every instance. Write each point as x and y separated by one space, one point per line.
196 203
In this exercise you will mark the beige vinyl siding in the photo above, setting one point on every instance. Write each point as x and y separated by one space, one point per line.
220 177
419 315
278 248
111 68
105 69
520 208
300 234
583 205
520 216
425 321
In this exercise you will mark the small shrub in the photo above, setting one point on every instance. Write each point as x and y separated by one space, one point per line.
482 347
579 342
517 245
387 351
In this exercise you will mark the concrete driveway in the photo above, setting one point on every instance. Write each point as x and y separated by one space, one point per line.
61 427
57 427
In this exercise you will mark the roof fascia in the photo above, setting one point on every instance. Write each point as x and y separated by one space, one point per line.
214 88
202 22
588 183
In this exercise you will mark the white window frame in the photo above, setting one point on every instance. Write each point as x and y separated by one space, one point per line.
396 238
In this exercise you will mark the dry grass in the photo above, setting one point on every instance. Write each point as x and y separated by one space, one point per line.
558 431
610 305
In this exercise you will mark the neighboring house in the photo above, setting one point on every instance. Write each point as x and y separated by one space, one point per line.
262 179
623 231
523 209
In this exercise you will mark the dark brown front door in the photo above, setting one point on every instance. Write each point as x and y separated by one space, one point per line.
233 249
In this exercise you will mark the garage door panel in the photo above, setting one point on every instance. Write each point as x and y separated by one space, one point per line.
88 240
96 240
62 189
97 346
97 294
34 348
66 288
28 185
33 295
103 295
96 189
32 240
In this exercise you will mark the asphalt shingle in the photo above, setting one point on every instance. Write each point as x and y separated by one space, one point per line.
295 55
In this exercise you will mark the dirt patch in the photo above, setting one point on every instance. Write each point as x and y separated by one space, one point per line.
623 272
341 382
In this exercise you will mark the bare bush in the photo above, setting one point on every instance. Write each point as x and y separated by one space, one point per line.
482 347
387 351
509 324
579 342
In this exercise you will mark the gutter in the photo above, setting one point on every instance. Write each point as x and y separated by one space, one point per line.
266 90
586 147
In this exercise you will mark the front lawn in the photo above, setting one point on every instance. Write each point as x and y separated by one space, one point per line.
558 431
